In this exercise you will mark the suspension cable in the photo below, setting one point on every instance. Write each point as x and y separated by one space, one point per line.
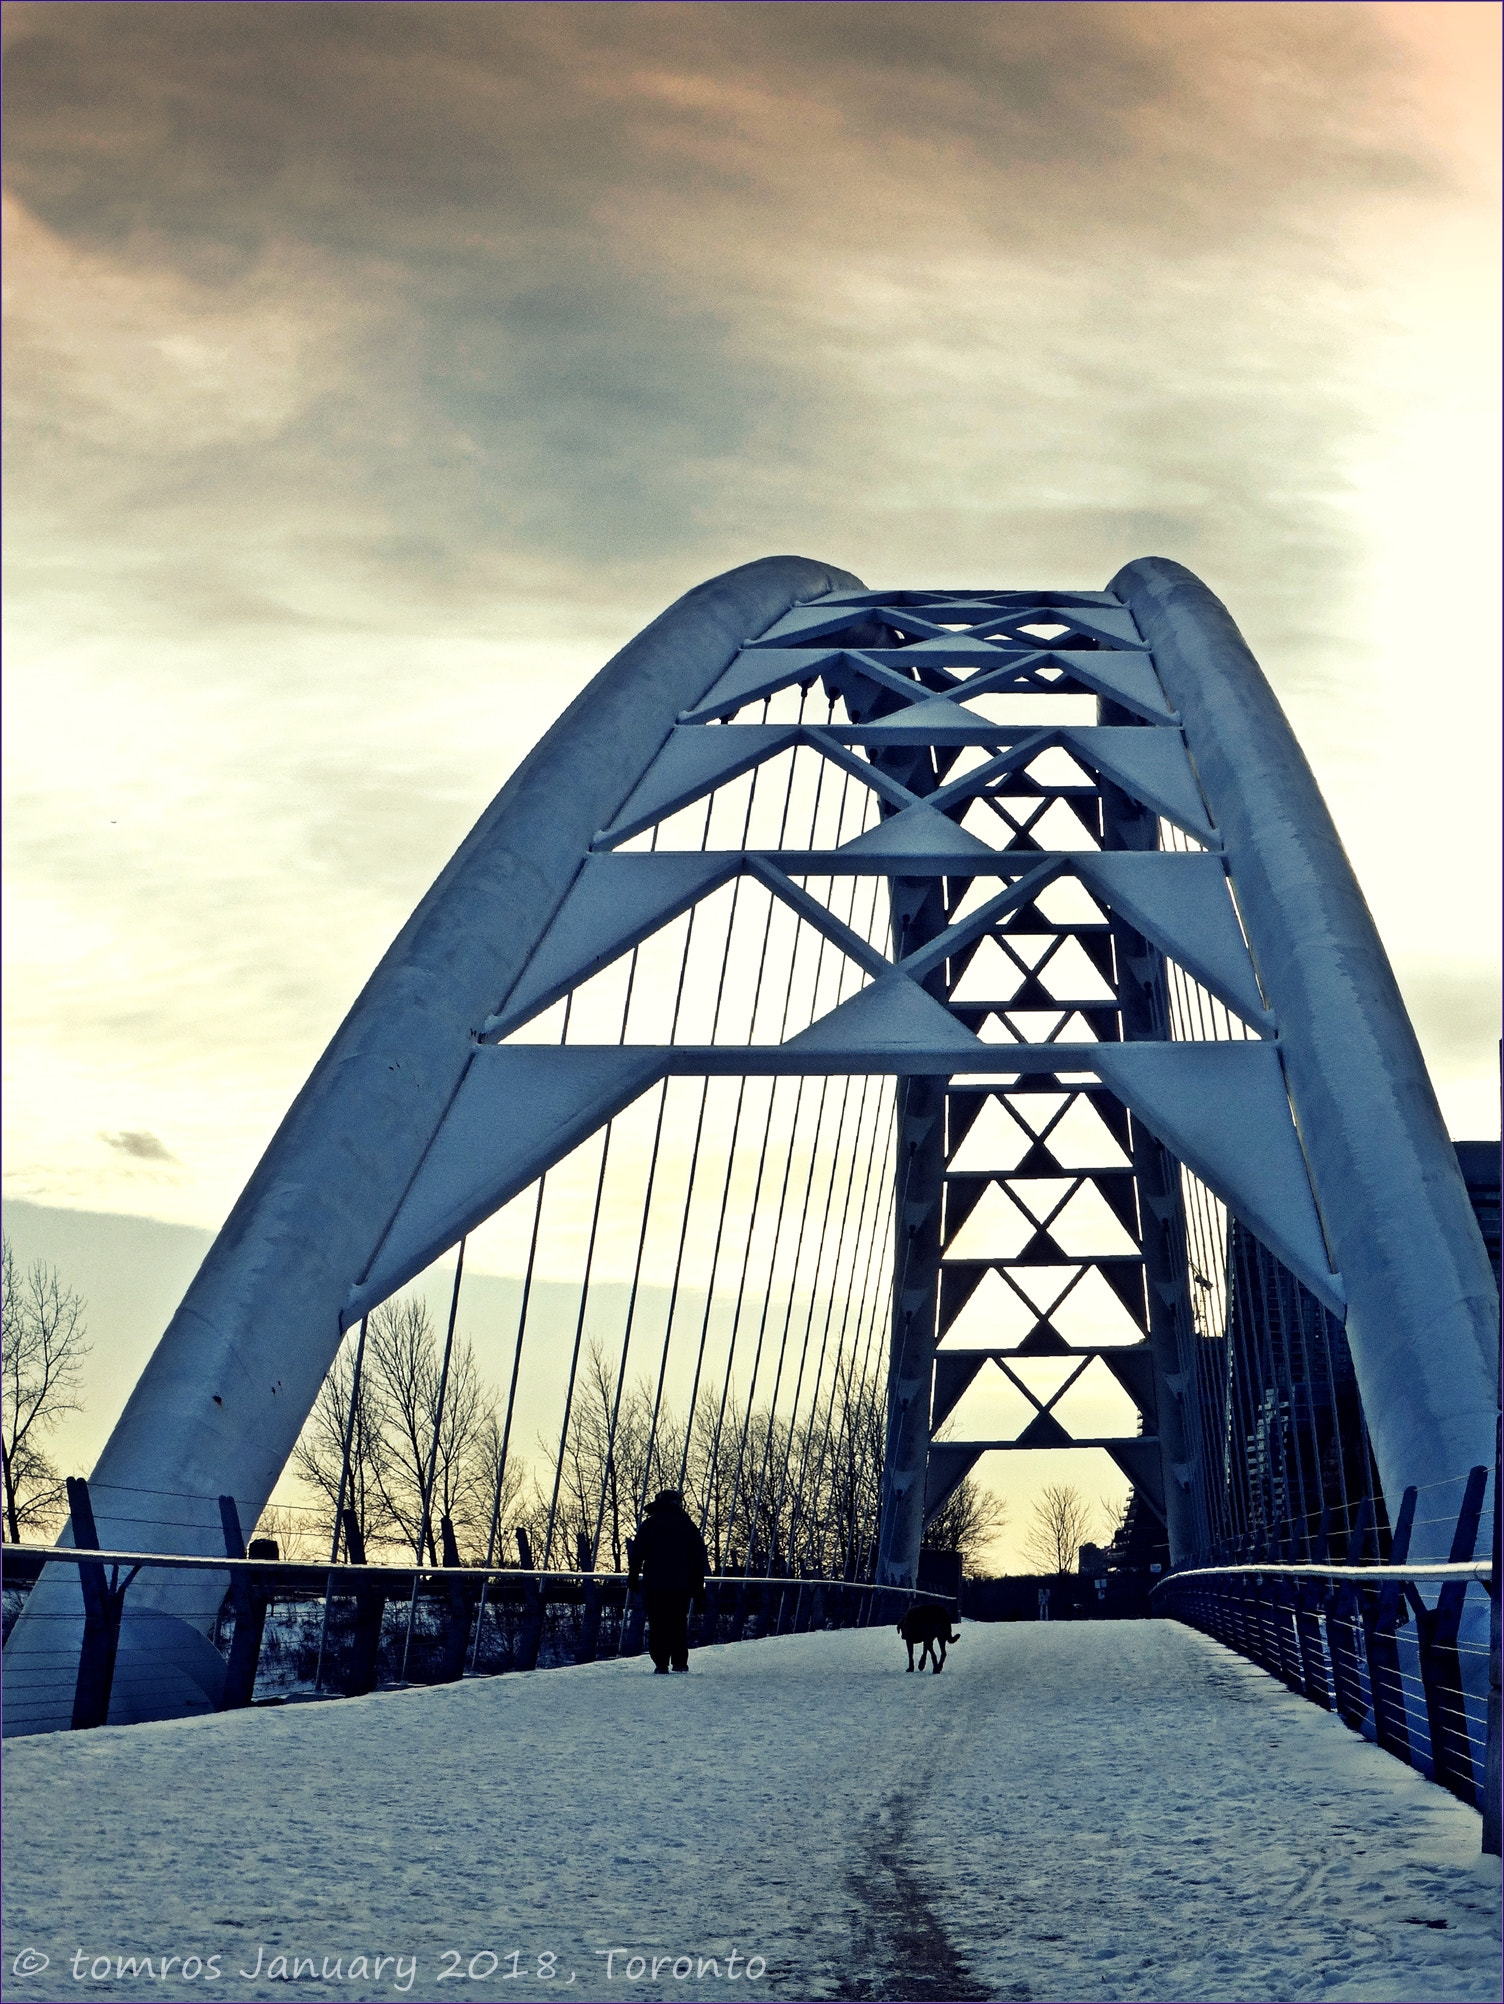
425 1528
339 1501
851 1293
506 1431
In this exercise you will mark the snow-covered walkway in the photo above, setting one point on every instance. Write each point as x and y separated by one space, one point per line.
1072 1811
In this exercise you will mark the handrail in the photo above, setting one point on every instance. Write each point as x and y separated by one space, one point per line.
1258 1568
76 1555
1331 1633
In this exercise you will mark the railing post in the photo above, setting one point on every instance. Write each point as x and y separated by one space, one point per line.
530 1634
462 1599
739 1612
530 1629
1265 1632
248 1603
1342 1630
1234 1615
590 1622
370 1606
1344 1609
1230 1593
1285 1605
1313 1655
102 1609
1248 1621
1440 1669
339 1501
1381 1613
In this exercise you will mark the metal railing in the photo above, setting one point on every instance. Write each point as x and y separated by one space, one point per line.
1420 1677
391 1626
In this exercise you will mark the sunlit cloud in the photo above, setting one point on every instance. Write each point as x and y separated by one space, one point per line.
373 373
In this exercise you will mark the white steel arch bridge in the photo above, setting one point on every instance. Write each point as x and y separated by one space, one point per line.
968 992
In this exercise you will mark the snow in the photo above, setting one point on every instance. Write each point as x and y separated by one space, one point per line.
1073 1811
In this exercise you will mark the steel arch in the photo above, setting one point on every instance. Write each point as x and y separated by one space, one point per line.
424 1116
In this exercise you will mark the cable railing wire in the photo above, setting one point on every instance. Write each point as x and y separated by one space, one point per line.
1362 1639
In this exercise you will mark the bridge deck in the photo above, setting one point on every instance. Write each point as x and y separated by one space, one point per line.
1072 1811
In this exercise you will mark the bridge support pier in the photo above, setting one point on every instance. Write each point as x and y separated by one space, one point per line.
911 1372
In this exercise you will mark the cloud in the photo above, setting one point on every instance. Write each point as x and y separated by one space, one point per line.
373 372
142 1146
427 297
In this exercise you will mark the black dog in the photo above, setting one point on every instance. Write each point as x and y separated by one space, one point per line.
931 1626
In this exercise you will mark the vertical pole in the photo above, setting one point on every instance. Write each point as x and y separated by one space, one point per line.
249 1603
461 1607
1440 1667
1315 1682
102 1606
339 1507
424 1533
506 1431
370 1605
590 1611
530 1629
919 1199
1342 1640
1381 1608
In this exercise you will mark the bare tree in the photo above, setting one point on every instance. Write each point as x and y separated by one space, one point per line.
798 1488
44 1349
613 1459
710 1470
759 1520
298 1532
404 1377
602 1447
1114 1515
968 1521
501 1487
319 1454
461 1491
1060 1526
396 1418
849 1476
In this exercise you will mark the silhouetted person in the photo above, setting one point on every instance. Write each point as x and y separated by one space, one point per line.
669 1559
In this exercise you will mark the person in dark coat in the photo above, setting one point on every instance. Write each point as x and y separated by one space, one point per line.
668 1561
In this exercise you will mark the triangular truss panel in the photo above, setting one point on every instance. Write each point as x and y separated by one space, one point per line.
994 1316
993 1408
516 1113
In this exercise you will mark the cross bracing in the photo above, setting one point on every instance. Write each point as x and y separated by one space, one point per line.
1046 861
1027 952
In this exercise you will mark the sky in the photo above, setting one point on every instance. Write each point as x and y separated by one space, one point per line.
373 373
